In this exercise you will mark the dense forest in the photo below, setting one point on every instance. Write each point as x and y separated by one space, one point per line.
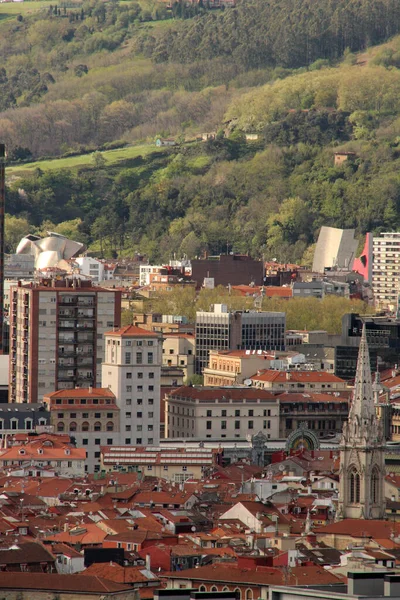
304 78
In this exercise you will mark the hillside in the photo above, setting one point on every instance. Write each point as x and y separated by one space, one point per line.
89 76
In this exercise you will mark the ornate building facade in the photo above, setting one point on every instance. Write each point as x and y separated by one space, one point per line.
362 450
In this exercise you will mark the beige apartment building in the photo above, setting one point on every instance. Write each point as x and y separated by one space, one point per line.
174 464
233 367
90 415
179 352
217 413
132 371
57 336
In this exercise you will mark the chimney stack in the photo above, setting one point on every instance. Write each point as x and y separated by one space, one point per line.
2 211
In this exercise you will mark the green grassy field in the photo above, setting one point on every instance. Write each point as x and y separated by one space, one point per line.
110 156
9 10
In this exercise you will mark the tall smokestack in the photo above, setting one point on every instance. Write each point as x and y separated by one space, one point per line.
2 212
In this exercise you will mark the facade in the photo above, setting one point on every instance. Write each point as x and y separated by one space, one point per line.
173 464
45 451
224 330
386 270
324 414
179 351
91 267
17 418
56 336
215 413
233 269
335 248
90 415
132 371
362 450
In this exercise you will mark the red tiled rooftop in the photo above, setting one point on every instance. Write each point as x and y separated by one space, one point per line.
219 393
82 393
297 376
132 331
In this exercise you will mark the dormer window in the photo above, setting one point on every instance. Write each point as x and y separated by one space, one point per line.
67 451
40 451
22 451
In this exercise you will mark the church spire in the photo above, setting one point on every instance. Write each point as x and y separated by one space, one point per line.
362 422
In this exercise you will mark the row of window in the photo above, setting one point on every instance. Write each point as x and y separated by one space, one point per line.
73 426
86 415
250 413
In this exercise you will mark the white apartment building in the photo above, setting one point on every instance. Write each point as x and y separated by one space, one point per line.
225 412
179 351
386 270
57 336
145 271
132 371
95 269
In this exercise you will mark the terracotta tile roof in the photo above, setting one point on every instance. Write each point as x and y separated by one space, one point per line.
361 528
133 331
219 393
53 582
66 550
228 573
135 536
310 397
278 292
297 376
82 393
91 534
30 552
114 572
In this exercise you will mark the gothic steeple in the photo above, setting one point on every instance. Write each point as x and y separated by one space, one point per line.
363 424
362 448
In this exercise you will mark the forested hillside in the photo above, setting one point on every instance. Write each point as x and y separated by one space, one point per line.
304 77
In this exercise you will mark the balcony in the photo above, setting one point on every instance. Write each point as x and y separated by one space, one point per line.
67 301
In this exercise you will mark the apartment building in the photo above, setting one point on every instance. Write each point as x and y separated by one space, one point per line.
234 367
290 381
225 330
386 270
173 464
215 413
56 336
90 415
132 371
179 352
324 414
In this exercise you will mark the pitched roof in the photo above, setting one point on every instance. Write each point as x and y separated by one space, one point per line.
220 393
28 553
115 572
228 573
81 393
132 331
361 528
297 376
60 583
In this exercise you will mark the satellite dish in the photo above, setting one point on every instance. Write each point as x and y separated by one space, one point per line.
281 467
247 382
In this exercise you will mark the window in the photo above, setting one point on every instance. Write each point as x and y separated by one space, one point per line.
97 415
223 413
151 401
208 424
85 415
127 358
150 358
139 388
109 441
151 375
140 375
354 486
128 388
60 415
128 415
223 424
85 442
150 343
151 415
110 415
97 454
375 486
139 427
209 413
97 426
139 440
171 351
60 426
128 401
110 426
72 426
127 441
237 413
237 424
85 426
97 441
129 375
139 358
251 413
139 415
127 428
150 441
250 425
149 427
151 388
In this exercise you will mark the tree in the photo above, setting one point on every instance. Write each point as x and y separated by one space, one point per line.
98 160
15 229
